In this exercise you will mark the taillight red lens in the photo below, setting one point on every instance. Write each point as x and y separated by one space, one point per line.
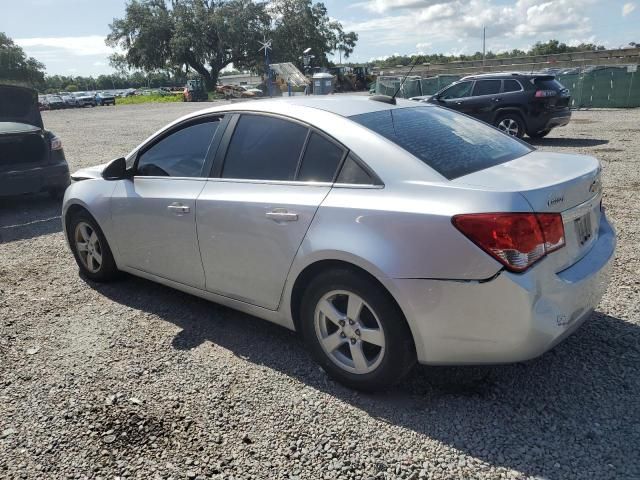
517 240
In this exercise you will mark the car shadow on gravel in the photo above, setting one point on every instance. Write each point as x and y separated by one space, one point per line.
29 216
567 142
557 416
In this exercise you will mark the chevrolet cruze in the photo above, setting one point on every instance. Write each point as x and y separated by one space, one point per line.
385 232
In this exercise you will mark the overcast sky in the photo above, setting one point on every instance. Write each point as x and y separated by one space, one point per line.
68 35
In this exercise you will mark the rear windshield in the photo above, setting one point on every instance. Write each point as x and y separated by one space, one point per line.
452 144
548 83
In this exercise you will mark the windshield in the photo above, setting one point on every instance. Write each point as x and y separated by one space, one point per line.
452 144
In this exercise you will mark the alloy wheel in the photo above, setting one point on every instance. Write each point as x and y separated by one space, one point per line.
349 332
88 247
509 126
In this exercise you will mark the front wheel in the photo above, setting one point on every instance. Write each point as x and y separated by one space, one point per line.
355 331
511 124
90 248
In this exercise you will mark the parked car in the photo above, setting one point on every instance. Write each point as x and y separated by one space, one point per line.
235 91
105 98
516 103
384 233
55 102
255 91
42 103
85 98
31 158
70 101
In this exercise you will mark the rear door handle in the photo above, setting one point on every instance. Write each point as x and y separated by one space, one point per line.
281 215
178 208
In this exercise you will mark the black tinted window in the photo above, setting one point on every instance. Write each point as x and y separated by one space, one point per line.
321 160
548 83
264 148
459 90
486 87
353 173
181 154
511 86
452 144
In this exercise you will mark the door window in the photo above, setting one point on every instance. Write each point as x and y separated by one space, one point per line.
459 90
264 148
486 87
512 86
181 154
321 160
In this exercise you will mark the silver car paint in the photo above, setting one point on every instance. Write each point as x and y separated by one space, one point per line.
461 307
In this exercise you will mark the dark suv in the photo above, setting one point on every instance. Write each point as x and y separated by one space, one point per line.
516 103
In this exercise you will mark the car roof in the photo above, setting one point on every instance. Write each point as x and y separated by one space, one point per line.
343 105
502 75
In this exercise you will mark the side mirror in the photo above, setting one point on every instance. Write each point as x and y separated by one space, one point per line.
116 170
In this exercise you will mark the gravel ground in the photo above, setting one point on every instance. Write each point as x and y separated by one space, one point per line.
135 380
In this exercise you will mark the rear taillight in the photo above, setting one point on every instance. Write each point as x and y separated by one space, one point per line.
545 93
517 240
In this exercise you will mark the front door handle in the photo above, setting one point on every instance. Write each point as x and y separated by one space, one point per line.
178 208
282 215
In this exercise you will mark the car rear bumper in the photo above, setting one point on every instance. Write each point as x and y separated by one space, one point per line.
559 119
34 179
510 318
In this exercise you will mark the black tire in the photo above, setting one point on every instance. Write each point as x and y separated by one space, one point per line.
399 354
511 118
541 134
107 270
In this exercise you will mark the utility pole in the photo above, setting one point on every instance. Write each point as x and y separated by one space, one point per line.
484 44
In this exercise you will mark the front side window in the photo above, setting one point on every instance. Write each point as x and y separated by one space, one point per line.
452 144
459 90
486 87
181 154
321 160
264 148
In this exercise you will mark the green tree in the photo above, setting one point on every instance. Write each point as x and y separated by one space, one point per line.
202 35
302 24
16 66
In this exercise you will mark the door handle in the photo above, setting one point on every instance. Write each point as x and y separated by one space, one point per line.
178 208
281 215
496 99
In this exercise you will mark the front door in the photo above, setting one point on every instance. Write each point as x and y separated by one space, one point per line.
456 97
253 218
154 213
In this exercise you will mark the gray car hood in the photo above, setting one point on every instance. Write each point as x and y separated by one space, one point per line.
89 172
19 105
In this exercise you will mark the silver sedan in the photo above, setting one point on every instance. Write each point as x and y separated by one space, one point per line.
385 232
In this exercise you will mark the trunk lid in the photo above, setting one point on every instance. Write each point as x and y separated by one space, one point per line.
19 105
553 182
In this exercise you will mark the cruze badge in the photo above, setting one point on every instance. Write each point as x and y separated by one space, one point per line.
555 199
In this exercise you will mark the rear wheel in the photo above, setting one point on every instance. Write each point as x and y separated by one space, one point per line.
355 331
511 124
90 248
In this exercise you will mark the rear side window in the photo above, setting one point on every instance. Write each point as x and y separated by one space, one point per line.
486 87
353 173
264 148
511 86
452 144
321 160
181 154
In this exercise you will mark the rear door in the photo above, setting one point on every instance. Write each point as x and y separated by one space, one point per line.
254 213
154 213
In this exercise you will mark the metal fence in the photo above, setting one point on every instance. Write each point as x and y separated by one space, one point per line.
591 87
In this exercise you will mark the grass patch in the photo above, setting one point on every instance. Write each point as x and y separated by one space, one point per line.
136 99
